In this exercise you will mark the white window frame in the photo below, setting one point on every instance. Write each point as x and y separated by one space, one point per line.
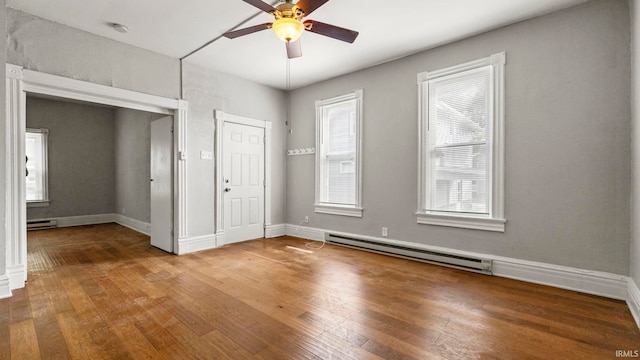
45 169
338 209
495 220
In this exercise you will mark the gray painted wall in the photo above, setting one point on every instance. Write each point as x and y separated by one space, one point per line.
81 160
42 45
635 156
132 170
3 141
207 91
49 47
567 142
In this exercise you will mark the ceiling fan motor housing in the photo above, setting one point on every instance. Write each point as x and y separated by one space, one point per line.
288 10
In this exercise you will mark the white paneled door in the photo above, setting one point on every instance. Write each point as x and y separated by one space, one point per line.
243 182
161 183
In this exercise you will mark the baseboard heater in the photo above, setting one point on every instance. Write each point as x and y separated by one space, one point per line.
478 265
41 224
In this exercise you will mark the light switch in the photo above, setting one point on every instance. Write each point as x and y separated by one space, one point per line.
206 155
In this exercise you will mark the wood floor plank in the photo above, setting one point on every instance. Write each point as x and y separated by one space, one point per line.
230 348
20 306
102 292
5 337
24 344
79 342
48 332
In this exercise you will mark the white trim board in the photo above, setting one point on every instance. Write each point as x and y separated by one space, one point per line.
15 276
69 221
633 301
197 243
5 287
591 282
586 281
271 231
133 224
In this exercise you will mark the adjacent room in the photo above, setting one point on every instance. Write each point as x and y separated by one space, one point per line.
314 179
87 163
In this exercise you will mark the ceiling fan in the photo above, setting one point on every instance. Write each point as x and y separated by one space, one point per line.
288 24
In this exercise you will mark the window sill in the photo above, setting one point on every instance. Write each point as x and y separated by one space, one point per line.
465 222
338 210
31 204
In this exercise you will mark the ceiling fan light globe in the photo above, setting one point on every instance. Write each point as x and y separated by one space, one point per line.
288 29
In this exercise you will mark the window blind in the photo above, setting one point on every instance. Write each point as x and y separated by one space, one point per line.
339 153
459 151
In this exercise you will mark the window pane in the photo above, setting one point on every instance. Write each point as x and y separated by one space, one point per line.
461 108
341 187
339 152
341 120
34 149
459 115
460 179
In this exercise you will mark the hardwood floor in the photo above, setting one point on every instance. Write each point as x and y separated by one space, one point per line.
101 292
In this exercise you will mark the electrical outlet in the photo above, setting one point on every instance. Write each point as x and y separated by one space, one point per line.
385 232
306 219
122 211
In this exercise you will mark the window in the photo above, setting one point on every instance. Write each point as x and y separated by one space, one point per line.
338 159
37 192
462 145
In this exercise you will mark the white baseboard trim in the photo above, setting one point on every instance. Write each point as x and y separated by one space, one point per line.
133 224
305 232
586 281
84 220
633 300
196 243
271 231
17 276
5 287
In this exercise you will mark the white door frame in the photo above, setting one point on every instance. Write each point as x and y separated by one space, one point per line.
22 81
220 118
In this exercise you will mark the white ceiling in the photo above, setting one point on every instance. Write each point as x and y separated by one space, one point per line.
388 30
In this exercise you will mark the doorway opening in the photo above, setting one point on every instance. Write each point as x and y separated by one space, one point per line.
21 82
95 166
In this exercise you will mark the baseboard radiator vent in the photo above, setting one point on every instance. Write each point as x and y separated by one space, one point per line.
483 266
41 224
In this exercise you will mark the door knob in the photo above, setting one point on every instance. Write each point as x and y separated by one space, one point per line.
227 189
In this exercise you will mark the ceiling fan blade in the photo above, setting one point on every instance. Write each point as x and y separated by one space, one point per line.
332 31
261 5
308 6
294 49
246 31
